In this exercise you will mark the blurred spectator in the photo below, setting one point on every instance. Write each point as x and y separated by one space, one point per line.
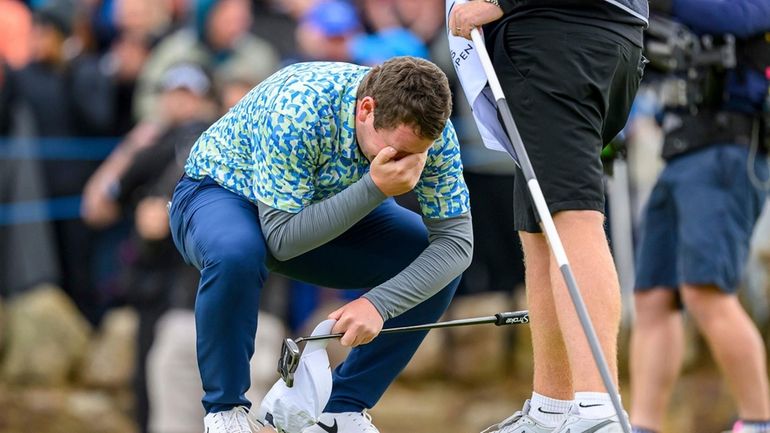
154 276
233 85
146 19
98 209
15 32
332 30
223 44
424 18
396 28
62 92
181 99
698 222
221 38
497 264
296 8
273 22
62 96
142 18
375 49
232 89
133 28
326 29
124 62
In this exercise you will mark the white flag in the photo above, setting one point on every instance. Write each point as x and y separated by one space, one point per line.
474 82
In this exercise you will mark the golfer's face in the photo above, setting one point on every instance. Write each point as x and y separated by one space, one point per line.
402 138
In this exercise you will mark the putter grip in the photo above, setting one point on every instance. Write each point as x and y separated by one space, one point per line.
512 318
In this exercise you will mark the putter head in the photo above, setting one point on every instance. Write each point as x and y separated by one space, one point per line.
289 361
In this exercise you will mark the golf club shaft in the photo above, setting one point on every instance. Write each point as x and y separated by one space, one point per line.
500 319
554 241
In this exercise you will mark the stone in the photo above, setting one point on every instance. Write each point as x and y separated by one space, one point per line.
429 362
427 407
480 352
111 359
61 410
97 413
47 338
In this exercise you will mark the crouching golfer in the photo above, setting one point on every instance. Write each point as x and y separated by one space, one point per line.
297 178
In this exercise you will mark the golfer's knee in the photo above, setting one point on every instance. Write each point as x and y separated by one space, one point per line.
238 262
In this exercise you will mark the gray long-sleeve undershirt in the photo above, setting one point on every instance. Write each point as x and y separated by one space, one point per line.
449 253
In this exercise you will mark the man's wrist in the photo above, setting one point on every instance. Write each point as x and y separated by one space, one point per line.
377 303
372 188
503 5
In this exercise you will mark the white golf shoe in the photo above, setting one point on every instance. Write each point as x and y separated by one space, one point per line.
345 422
235 420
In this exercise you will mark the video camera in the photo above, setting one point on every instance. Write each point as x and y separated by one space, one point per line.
686 60
672 47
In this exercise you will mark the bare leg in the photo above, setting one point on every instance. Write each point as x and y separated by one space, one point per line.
582 233
657 351
552 372
736 345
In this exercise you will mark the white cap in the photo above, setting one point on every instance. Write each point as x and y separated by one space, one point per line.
187 76
290 410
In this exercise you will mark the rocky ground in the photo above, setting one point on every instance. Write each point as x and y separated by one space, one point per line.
57 375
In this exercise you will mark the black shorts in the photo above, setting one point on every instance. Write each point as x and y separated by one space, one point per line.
570 87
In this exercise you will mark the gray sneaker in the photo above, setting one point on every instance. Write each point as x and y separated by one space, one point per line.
577 424
519 422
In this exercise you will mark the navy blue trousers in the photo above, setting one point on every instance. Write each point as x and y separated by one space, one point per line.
218 232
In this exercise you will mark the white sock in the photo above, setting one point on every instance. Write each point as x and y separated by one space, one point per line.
594 405
549 412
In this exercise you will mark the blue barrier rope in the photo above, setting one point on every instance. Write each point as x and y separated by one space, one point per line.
84 149
34 211
56 148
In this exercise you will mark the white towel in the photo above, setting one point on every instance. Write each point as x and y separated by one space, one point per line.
474 82
290 410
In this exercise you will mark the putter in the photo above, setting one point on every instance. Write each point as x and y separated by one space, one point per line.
520 157
290 353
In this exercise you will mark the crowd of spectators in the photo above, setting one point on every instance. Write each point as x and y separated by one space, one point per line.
100 102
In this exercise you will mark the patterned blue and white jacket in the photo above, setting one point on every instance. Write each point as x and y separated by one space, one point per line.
291 142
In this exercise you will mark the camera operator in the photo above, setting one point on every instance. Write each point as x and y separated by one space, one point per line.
714 59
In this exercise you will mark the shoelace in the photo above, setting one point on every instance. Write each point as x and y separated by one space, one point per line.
365 421
572 413
230 421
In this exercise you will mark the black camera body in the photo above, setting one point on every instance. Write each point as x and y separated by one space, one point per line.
691 85
690 65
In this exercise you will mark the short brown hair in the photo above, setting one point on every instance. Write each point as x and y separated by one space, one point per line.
409 91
